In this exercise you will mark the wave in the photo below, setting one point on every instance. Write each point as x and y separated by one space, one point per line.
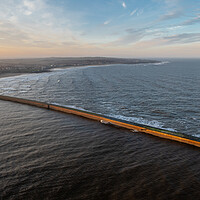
162 63
79 66
73 107
196 135
139 120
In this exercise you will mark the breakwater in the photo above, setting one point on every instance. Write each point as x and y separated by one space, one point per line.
135 127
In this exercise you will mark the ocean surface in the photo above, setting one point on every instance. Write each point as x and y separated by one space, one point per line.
51 155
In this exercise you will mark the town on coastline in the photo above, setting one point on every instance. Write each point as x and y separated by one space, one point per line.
38 65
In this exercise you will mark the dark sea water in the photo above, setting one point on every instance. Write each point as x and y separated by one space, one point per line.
51 155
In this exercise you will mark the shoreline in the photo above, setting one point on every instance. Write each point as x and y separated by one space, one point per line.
6 75
15 67
10 74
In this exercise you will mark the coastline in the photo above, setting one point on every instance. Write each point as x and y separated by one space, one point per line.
10 74
15 67
5 75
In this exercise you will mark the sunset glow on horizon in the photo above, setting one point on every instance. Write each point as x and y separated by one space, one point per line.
116 28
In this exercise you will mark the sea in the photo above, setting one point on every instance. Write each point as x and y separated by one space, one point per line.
51 155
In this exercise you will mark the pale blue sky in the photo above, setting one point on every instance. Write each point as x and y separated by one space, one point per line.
131 28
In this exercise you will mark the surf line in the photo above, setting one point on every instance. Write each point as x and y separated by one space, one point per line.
134 127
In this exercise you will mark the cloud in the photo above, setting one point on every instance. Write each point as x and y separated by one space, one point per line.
27 12
123 4
12 35
171 15
182 38
132 37
195 20
140 12
107 22
171 3
133 12
30 5
168 3
42 26
44 44
70 43
174 27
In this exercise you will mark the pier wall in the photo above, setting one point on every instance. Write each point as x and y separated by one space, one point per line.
24 101
107 120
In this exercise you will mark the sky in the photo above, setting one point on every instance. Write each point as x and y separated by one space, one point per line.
116 28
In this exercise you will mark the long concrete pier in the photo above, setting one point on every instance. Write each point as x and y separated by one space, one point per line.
135 127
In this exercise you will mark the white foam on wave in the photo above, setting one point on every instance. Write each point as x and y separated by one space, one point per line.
23 91
10 88
148 64
70 106
140 120
68 68
21 82
196 135
162 63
